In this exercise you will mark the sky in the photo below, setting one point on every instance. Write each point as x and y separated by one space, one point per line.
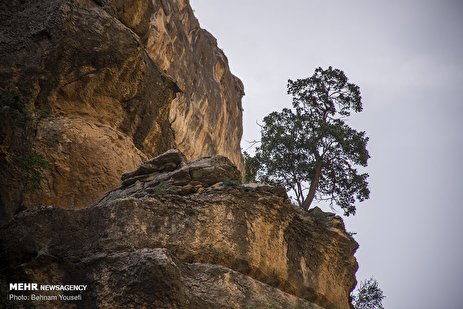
406 57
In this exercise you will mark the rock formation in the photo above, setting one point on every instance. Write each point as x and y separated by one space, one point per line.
96 87
180 234
89 90
206 115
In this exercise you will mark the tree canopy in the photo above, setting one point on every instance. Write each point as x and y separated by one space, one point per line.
369 295
310 149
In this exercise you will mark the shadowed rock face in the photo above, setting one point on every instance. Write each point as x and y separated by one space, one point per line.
187 234
96 87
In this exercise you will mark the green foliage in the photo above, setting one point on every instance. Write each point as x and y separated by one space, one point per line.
32 160
231 183
139 144
31 165
310 149
252 166
160 189
319 215
22 114
215 253
369 295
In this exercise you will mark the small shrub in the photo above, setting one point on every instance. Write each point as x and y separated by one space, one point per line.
31 166
317 213
160 189
20 113
216 254
231 183
139 144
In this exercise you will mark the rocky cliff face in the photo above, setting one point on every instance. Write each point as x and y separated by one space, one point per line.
206 113
180 234
88 91
94 87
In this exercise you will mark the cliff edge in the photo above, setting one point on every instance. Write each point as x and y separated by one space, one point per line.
94 89
180 234
90 89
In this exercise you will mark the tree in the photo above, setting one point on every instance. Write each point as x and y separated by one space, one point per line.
310 149
369 296
252 166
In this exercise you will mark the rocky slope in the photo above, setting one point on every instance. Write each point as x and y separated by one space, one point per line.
89 89
180 234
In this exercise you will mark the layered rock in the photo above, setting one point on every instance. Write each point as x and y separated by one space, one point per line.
206 115
89 91
96 87
186 234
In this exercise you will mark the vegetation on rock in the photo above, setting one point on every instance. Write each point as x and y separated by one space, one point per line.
31 165
310 149
369 295
220 246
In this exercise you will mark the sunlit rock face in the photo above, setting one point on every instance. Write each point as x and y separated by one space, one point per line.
89 91
206 115
95 87
187 234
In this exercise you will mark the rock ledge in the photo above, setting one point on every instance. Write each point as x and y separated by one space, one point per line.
180 234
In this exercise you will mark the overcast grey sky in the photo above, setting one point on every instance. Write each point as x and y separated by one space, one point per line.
406 56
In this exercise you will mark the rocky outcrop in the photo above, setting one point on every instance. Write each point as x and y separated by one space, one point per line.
207 115
95 87
89 89
180 234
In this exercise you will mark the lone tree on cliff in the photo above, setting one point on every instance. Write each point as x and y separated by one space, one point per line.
369 295
310 149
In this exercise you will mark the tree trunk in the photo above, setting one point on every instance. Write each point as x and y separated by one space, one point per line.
313 186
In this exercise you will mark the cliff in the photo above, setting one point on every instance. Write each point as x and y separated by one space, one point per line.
93 88
180 234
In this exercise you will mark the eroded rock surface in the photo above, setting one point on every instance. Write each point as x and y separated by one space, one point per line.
96 87
187 234
207 115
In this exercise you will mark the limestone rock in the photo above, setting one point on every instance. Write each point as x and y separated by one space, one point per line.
170 172
165 162
206 115
207 240
215 286
96 87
